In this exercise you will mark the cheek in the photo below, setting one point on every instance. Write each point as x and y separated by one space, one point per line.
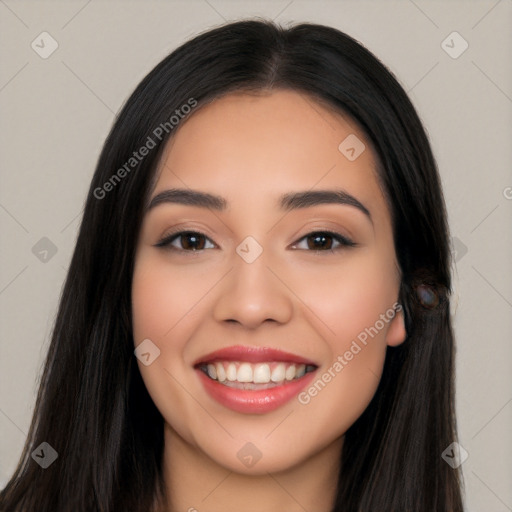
349 301
349 298
159 307
162 296
161 311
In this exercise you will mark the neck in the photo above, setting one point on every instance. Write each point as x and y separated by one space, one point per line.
196 483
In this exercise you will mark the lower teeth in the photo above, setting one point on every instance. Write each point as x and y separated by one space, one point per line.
249 385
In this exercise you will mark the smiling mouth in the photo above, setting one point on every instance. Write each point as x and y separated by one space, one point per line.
254 376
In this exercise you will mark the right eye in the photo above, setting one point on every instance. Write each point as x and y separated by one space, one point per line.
190 241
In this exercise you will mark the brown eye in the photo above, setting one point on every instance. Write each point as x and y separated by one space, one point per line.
319 241
324 241
186 240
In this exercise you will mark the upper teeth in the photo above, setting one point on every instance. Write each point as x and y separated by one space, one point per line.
260 373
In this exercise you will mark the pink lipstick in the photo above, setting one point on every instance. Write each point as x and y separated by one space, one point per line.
253 380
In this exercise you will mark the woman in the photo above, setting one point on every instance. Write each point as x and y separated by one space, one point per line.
257 310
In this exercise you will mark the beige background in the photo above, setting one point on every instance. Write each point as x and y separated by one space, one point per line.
57 111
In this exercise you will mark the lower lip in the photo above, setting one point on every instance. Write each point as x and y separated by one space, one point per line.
254 402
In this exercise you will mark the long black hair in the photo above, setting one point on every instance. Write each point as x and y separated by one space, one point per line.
92 406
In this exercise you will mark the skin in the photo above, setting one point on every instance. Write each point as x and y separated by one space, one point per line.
250 149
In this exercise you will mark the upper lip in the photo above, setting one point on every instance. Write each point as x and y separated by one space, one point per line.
252 355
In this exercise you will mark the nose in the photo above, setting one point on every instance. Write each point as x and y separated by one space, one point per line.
253 293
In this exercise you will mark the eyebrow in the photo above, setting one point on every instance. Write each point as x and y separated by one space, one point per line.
287 202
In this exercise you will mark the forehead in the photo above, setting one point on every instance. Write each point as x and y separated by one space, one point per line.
251 148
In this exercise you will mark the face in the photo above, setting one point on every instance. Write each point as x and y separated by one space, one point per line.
270 297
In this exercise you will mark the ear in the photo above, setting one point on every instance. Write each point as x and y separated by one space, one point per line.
396 333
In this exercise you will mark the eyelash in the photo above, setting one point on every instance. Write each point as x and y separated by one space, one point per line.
342 240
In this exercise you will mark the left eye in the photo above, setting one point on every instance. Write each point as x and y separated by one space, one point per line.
323 241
